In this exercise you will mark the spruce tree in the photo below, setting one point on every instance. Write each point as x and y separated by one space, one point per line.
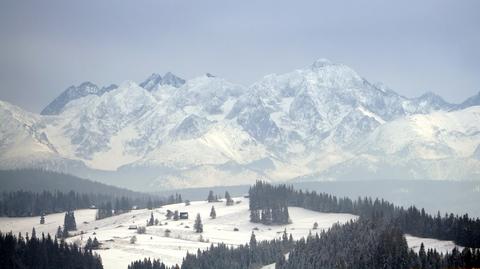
211 197
59 232
253 240
95 243
151 221
228 199
198 226
213 214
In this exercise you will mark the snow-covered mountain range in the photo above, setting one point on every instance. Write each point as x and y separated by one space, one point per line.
321 122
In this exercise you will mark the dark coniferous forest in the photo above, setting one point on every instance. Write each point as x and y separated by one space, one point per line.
26 203
44 252
463 230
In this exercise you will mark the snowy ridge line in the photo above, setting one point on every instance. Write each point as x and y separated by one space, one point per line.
320 122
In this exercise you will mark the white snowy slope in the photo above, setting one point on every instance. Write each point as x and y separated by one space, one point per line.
440 145
114 235
113 232
323 121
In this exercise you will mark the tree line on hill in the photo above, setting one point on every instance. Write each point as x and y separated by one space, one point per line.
268 204
251 255
27 203
463 230
38 180
375 240
45 252
370 244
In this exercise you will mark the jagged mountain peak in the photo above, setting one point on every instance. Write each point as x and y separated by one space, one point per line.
471 101
155 80
303 121
73 93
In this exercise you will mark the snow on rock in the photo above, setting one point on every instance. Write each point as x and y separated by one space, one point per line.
297 120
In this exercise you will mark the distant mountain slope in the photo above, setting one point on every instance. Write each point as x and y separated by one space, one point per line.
323 119
40 180
73 93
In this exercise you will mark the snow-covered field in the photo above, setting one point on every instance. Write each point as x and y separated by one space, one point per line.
440 245
117 252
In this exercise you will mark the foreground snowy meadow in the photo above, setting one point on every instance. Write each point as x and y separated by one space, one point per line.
171 240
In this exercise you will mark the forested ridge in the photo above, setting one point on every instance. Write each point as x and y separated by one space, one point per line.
37 180
369 244
463 230
33 192
27 203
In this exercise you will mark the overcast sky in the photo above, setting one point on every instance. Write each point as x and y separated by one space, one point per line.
411 46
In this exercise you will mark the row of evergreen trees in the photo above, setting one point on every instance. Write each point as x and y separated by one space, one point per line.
105 210
149 264
268 204
464 230
370 244
26 203
252 255
44 252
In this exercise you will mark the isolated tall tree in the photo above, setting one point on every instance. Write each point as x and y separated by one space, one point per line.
151 221
228 199
59 232
213 214
211 197
253 240
198 226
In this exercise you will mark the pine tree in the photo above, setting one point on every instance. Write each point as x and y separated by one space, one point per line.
213 214
95 243
151 221
198 226
59 232
42 219
211 197
228 199
423 256
89 244
253 240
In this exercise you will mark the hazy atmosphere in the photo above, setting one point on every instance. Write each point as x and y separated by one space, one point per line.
239 134
411 46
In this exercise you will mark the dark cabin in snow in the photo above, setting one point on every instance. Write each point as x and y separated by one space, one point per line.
183 215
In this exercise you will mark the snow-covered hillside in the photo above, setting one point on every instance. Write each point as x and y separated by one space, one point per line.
323 121
118 252
113 232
